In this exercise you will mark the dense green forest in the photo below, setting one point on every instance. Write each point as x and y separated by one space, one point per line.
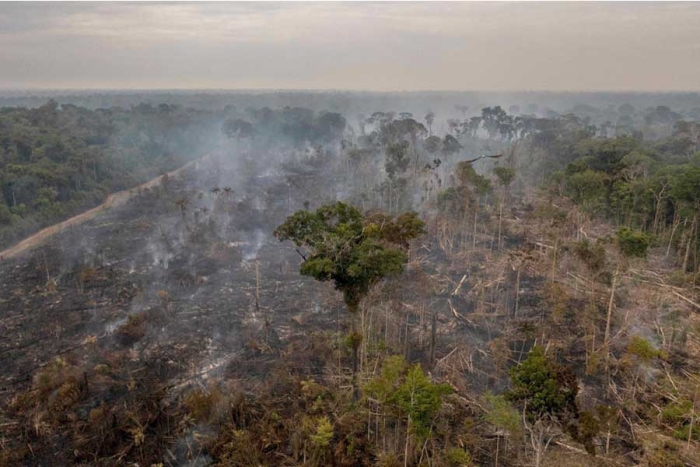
57 162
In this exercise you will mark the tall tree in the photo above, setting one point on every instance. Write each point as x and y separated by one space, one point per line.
353 251
686 190
429 119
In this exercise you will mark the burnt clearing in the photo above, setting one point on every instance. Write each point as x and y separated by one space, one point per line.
182 286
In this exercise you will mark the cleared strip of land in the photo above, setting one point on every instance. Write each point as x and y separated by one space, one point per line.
116 199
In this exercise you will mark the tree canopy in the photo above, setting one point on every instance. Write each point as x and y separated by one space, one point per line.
352 250
544 386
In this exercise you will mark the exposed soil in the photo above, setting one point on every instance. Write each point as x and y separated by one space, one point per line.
116 199
212 295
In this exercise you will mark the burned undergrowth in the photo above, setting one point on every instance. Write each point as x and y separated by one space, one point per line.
176 330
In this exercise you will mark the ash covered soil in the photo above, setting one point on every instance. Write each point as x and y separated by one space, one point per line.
207 277
183 283
111 322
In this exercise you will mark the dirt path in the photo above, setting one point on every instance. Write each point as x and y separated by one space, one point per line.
116 199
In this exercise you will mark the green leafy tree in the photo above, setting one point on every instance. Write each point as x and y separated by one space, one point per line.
396 164
502 415
5 214
686 191
419 399
643 349
381 387
547 392
467 176
457 457
505 175
588 429
495 120
345 247
586 186
544 386
379 390
632 244
397 159
321 439
450 146
353 251
472 181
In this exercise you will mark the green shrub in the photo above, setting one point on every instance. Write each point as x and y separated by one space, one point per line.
457 457
632 244
544 387
643 349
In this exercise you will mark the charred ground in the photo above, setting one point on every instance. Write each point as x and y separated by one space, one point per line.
176 330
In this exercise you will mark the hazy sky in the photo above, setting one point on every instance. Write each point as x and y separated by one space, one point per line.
372 46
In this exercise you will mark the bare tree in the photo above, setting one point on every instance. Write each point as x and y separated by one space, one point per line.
541 432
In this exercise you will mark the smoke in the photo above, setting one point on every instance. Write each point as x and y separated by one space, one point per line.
112 326
252 245
160 256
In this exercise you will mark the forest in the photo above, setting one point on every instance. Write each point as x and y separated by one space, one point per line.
370 283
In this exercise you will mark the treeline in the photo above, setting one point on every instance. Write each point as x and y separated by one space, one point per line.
397 161
612 172
599 106
638 170
653 187
57 161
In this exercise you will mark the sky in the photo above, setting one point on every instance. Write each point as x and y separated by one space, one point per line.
354 46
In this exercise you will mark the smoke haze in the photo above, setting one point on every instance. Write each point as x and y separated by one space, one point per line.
371 46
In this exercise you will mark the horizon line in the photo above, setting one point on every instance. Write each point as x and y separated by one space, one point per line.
367 91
